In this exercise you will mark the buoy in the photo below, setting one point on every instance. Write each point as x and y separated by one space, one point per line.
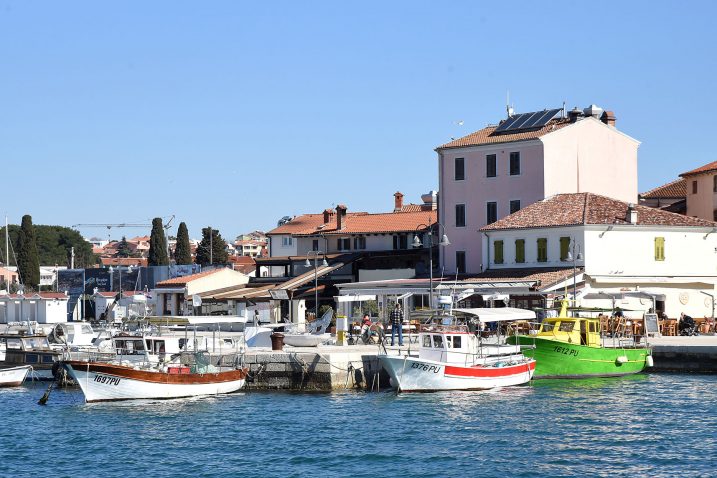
649 362
621 359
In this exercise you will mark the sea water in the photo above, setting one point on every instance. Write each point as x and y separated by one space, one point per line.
658 425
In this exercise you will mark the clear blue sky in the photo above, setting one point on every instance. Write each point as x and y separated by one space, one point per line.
234 114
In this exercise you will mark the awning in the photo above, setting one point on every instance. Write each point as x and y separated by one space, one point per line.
354 298
641 294
498 314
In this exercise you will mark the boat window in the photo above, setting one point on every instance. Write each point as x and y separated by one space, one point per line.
86 329
456 341
427 341
14 344
548 326
47 359
592 325
438 341
567 326
31 358
33 342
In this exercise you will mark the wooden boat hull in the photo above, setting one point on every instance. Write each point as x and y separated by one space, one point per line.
106 382
410 374
556 359
14 376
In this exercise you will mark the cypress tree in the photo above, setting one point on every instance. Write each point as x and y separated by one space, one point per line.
28 263
157 245
182 250
219 253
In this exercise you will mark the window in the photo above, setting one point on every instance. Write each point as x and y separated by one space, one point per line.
456 341
400 242
287 241
514 205
427 341
694 187
315 245
490 166
564 248
542 250
437 341
460 262
359 242
520 251
343 244
491 212
460 170
659 248
514 163
460 215
714 183
498 252
566 326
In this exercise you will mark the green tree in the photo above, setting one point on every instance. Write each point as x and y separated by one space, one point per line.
28 262
211 239
182 250
123 249
157 245
54 244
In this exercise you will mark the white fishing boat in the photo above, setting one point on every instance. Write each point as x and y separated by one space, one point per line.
14 376
314 335
453 355
109 382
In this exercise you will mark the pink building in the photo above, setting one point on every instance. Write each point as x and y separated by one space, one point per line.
500 169
701 185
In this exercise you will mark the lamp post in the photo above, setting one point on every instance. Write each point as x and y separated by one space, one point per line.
574 257
307 264
119 268
417 243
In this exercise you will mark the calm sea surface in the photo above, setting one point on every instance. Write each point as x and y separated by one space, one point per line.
647 425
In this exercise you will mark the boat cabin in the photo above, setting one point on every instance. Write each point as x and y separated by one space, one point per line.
32 350
571 330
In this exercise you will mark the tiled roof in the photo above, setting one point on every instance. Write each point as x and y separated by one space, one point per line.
702 169
357 223
588 208
544 276
486 135
676 189
184 280
31 295
124 261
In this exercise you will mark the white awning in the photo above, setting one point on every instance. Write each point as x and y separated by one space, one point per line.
215 319
642 294
495 296
498 314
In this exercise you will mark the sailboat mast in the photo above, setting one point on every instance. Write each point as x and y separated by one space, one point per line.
7 244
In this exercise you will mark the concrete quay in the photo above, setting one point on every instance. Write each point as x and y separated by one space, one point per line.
684 354
321 369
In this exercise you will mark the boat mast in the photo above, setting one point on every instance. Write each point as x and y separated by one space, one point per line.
7 244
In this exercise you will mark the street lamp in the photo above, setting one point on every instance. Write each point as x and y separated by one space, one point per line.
307 264
119 268
417 243
573 257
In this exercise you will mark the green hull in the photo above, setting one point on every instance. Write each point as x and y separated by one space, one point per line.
562 360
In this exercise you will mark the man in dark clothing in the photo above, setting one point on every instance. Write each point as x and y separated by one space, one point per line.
397 324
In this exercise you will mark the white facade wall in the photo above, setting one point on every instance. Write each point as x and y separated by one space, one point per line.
531 237
42 311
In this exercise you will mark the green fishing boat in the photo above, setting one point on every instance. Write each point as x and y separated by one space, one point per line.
571 347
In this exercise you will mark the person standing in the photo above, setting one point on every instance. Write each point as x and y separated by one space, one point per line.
397 324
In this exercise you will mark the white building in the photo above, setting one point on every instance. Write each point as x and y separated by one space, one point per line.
40 307
616 248
174 296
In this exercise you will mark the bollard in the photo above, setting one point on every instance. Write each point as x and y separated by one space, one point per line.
342 327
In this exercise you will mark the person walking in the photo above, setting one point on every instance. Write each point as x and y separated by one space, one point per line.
397 324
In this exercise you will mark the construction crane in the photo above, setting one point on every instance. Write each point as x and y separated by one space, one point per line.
123 224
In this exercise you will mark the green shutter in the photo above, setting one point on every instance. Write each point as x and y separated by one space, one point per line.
659 248
542 250
520 250
564 248
498 251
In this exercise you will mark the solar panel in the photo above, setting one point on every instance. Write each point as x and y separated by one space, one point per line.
536 119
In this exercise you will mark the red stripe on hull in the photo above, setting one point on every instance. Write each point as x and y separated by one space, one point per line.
482 371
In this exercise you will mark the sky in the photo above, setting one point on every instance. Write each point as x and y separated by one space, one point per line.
234 114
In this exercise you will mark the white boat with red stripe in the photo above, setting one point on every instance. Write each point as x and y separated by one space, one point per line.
453 355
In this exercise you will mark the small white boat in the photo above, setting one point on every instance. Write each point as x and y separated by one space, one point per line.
14 376
453 356
109 382
306 340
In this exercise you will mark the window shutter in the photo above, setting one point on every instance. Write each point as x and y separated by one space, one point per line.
520 250
659 248
542 250
498 251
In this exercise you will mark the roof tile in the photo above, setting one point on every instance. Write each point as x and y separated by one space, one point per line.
487 135
676 189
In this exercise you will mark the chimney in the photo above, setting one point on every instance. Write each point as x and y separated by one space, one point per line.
608 117
593 110
574 114
430 201
631 216
327 215
340 215
397 201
